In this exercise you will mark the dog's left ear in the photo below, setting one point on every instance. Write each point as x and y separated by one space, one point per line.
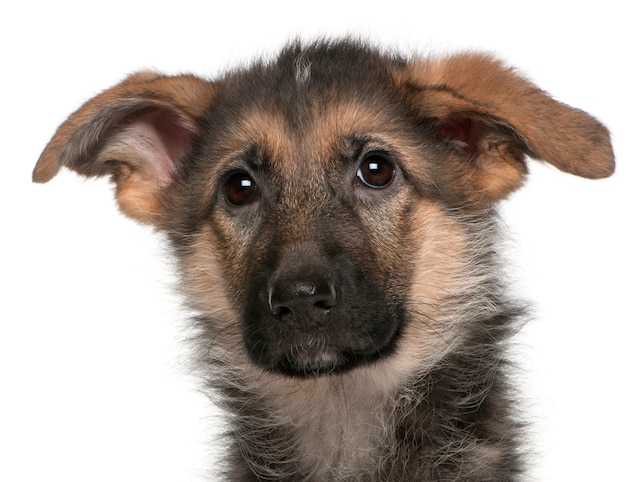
138 131
498 117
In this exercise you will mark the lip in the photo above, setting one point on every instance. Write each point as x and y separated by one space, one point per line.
311 360
317 353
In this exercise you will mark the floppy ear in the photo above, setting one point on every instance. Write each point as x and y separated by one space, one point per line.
138 132
498 117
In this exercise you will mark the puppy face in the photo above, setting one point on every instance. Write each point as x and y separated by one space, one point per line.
315 292
331 209
310 210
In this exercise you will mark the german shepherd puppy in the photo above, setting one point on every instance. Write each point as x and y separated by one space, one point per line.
332 212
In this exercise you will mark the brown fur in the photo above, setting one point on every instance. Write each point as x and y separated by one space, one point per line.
353 331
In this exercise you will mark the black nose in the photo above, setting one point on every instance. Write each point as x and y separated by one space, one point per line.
308 298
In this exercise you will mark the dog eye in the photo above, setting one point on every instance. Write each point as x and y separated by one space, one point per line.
239 189
376 171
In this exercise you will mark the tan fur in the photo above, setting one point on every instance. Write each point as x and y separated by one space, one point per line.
476 84
118 129
395 371
341 421
461 85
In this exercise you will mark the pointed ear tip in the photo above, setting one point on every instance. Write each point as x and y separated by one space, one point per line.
608 169
598 170
45 170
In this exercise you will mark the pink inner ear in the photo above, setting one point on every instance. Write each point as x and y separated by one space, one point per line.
456 128
474 133
160 139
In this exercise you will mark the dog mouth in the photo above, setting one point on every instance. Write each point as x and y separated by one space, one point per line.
303 349
309 356
311 361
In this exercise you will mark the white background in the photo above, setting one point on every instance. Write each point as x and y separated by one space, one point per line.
93 384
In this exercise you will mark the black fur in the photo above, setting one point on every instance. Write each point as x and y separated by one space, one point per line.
332 214
441 423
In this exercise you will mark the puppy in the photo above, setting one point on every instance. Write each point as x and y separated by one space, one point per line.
332 213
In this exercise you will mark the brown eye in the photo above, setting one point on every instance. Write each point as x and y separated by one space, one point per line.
376 171
239 189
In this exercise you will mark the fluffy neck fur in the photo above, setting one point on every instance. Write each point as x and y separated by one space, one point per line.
451 423
439 411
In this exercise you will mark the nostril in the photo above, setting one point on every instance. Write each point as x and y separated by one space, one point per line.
276 303
321 308
326 300
283 313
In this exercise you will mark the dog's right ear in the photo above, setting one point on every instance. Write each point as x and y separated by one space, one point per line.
137 131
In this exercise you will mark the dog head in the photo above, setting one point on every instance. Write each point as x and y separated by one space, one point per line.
328 208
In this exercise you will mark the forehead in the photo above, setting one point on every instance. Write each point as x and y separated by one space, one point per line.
309 104
330 129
